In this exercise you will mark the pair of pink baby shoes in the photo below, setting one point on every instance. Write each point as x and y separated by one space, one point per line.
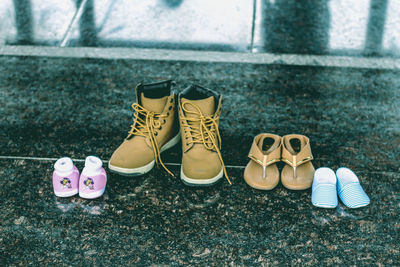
90 184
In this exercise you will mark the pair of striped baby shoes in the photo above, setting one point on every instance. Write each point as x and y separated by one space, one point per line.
90 184
327 186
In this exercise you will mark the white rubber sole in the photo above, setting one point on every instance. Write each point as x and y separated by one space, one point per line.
201 182
66 194
324 207
132 172
146 168
92 195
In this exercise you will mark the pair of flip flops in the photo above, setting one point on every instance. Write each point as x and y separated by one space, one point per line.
327 186
267 149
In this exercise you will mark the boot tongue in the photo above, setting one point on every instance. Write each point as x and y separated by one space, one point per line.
153 104
207 106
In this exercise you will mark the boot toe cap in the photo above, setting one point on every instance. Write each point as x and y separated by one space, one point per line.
129 159
201 168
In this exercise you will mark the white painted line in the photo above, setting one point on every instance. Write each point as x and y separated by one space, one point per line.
83 160
168 164
202 56
228 166
34 158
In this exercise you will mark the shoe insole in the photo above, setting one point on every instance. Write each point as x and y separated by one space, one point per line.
157 90
346 175
267 145
296 144
64 164
325 175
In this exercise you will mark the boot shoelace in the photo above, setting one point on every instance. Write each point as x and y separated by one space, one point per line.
203 129
145 124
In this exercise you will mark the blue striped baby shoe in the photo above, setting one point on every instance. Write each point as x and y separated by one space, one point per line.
324 188
349 189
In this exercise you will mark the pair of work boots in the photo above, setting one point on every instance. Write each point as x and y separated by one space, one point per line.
159 124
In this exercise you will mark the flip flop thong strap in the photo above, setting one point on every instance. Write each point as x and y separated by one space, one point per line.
300 158
260 158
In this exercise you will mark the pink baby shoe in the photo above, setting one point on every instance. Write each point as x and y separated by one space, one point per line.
93 178
65 178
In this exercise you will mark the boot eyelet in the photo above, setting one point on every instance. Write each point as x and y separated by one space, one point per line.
155 133
170 107
172 100
160 128
164 121
167 113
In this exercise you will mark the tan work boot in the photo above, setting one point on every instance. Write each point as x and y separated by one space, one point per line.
154 130
199 111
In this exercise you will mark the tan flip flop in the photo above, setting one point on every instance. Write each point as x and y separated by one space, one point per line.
298 173
261 172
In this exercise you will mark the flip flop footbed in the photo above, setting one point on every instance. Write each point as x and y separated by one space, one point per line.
261 172
298 173
253 175
304 176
